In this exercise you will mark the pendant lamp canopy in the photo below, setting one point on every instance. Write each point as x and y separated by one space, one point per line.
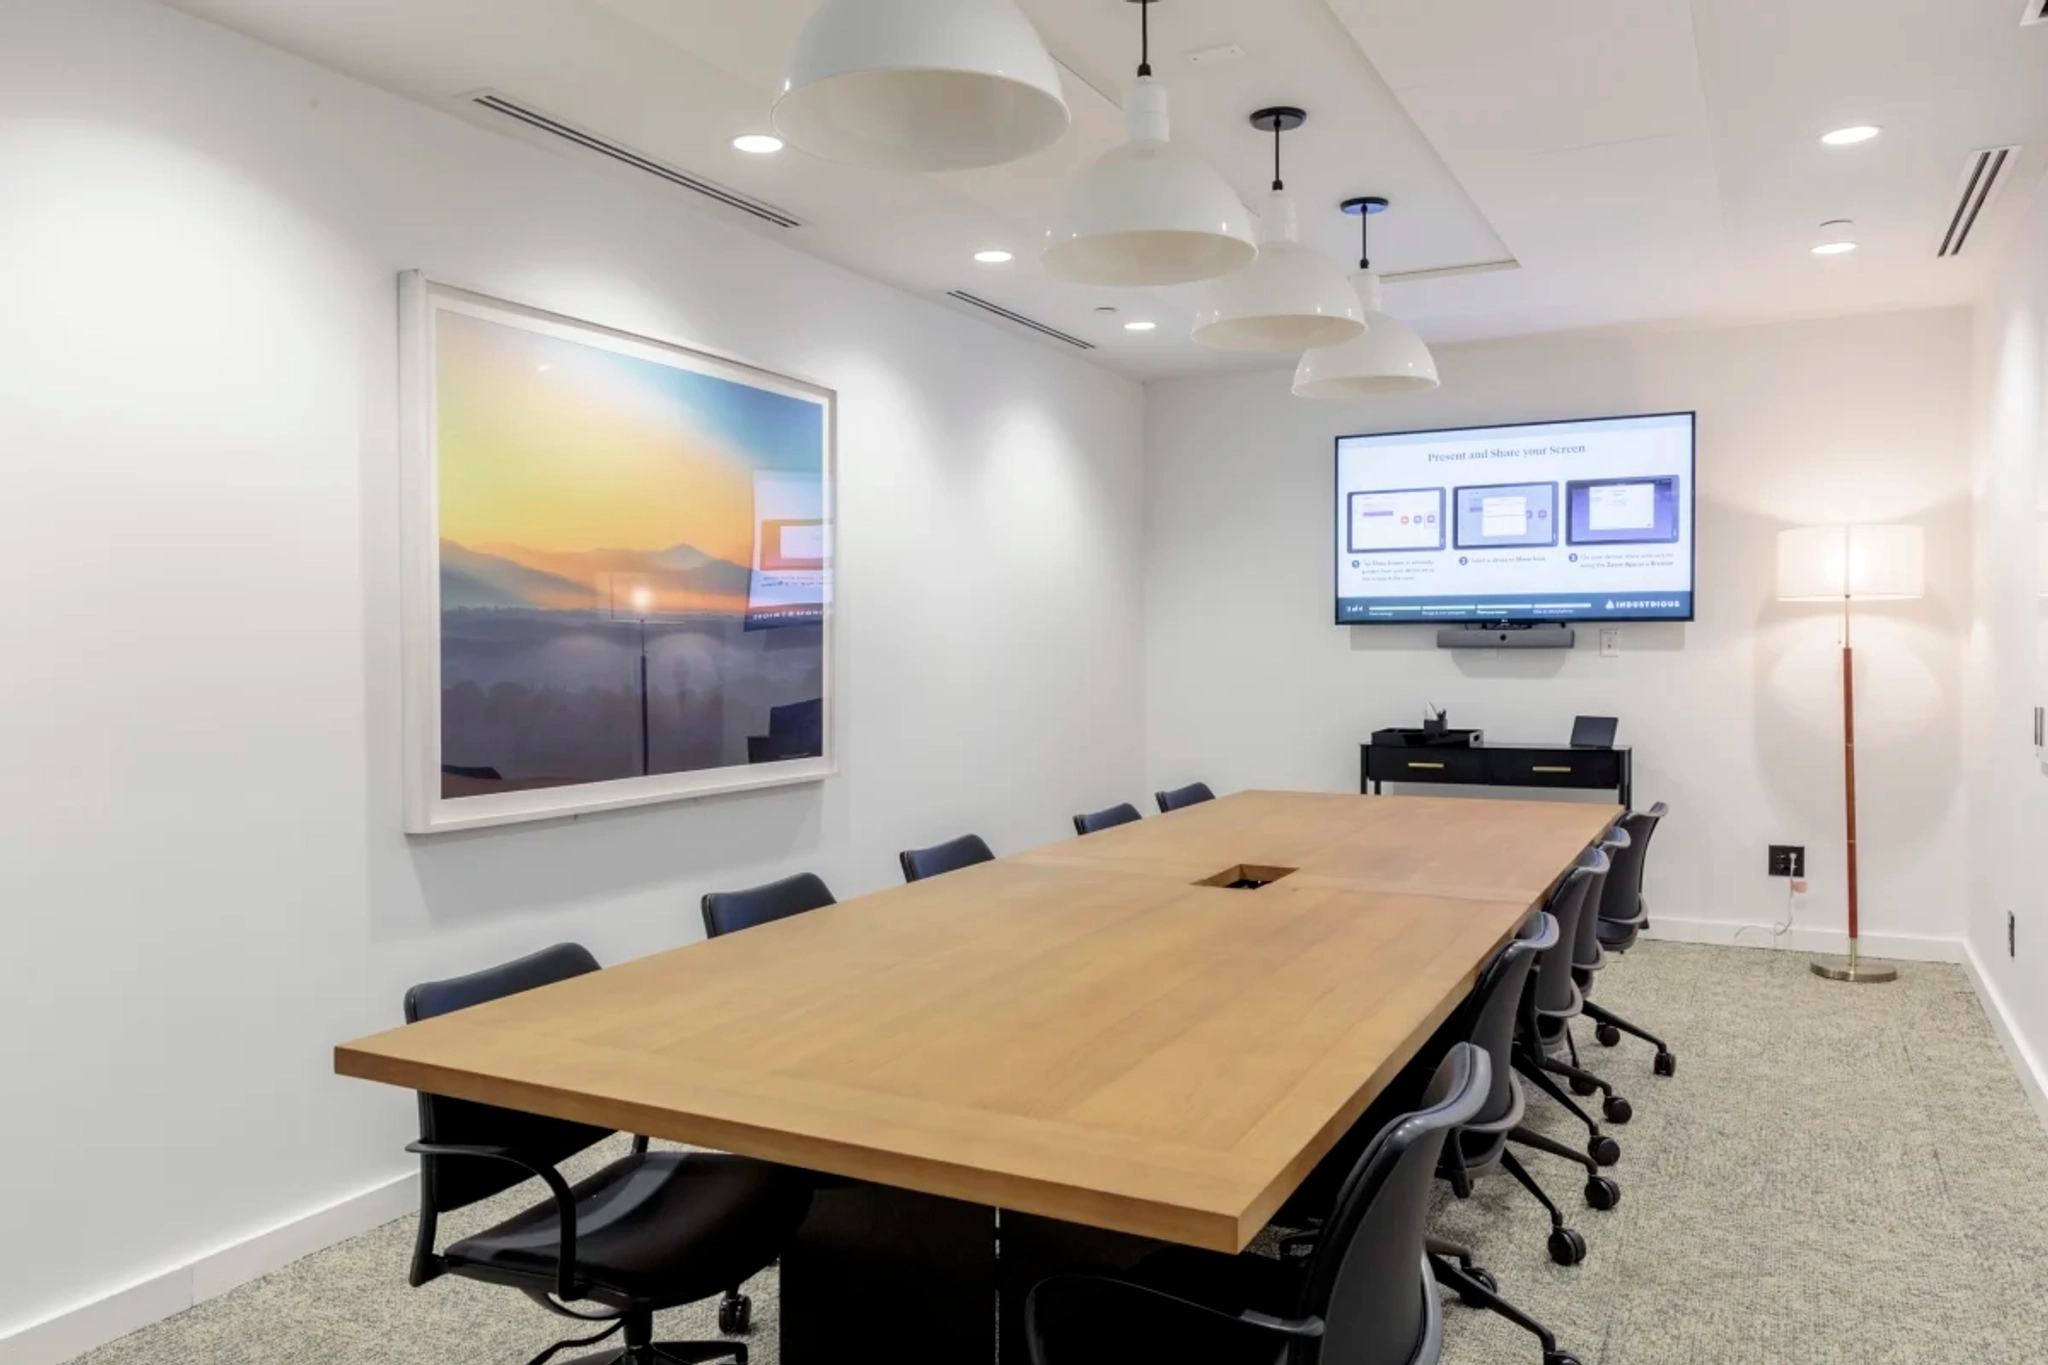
920 85
1388 359
1290 298
1147 213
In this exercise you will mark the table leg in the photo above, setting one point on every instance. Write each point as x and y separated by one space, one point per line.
1034 1248
880 1273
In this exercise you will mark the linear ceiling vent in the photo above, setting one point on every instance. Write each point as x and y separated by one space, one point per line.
2036 12
1006 315
1984 175
767 213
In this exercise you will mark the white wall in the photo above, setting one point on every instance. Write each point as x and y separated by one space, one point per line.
2008 790
1735 718
204 886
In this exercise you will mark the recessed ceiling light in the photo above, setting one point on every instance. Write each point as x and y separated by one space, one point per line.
1837 238
760 144
1139 326
994 257
1849 137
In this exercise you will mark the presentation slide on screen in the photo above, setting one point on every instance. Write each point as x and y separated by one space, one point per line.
792 574
1557 521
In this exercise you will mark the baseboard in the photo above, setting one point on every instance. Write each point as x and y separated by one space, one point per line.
2032 1074
1804 939
108 1317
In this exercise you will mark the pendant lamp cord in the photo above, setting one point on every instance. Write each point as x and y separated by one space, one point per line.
1144 37
1365 241
1277 186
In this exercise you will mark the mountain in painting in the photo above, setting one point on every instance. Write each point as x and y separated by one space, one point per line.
681 580
472 579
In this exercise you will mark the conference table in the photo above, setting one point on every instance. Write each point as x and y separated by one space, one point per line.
1148 1035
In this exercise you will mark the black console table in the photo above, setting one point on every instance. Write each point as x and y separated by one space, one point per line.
1498 765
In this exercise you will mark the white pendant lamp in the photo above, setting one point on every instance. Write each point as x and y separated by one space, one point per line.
1388 359
920 85
1147 213
1291 297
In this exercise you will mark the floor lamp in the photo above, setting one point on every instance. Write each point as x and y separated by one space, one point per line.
1850 564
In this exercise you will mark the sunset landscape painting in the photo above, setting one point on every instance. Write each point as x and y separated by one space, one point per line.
631 569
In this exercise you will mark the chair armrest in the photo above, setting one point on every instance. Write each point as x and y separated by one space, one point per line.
1145 1298
566 1287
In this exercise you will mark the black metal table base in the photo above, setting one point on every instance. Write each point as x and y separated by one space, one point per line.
918 1280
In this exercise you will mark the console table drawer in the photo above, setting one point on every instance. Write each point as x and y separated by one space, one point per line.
1560 768
1428 765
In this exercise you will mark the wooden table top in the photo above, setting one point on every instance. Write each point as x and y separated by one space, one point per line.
1077 1032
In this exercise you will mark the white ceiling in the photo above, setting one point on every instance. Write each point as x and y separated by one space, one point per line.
1608 162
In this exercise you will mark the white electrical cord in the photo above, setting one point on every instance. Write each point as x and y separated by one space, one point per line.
1778 931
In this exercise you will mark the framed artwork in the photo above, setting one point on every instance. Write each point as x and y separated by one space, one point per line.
618 567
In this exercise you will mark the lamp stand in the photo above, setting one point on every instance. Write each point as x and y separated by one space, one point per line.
1852 967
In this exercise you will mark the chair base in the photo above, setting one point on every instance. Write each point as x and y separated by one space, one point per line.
1853 969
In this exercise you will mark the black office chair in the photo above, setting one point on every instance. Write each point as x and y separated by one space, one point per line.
1552 1000
951 856
1363 1296
1488 1020
1097 821
651 1231
1182 797
1623 917
727 912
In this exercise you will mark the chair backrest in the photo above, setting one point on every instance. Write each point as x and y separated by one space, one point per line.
951 856
1181 797
1494 1008
448 1183
727 912
1554 991
1623 895
1366 1279
1124 814
1586 952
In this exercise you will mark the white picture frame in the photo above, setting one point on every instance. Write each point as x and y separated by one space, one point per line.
429 808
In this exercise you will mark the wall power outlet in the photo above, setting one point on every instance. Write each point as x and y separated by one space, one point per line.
1788 860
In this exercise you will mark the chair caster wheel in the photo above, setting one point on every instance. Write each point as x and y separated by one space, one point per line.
1485 1279
735 1315
1609 1035
1602 1193
1617 1109
1604 1150
1567 1247
1561 1358
1666 1064
1580 1087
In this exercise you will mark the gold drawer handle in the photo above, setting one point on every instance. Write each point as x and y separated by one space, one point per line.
1413 764
1540 768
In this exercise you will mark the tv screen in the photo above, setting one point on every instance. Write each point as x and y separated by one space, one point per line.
1549 521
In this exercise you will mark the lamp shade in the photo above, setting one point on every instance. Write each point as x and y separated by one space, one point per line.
1290 298
920 85
1147 213
1387 359
1860 563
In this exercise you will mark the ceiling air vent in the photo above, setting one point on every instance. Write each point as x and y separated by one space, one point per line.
767 213
997 310
1984 175
2036 12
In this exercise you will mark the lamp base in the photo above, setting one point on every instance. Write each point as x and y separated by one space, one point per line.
1851 969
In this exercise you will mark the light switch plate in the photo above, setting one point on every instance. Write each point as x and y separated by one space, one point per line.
1610 642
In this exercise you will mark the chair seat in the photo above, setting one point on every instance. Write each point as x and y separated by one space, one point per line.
1618 935
652 1229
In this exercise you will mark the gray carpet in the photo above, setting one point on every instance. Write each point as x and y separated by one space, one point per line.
1836 1174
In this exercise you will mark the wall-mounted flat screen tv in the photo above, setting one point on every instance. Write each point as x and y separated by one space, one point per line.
1550 521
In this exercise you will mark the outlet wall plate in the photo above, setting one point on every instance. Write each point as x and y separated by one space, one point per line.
1788 860
1610 642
